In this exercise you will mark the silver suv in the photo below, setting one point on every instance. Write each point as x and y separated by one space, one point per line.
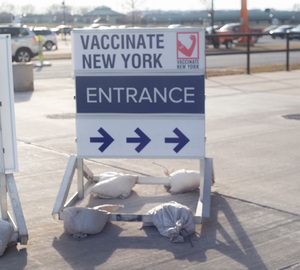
49 39
24 43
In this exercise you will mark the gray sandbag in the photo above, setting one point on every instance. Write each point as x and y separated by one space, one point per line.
80 221
171 219
6 232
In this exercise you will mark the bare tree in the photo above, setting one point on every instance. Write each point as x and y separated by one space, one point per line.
209 4
133 6
8 8
28 9
54 9
296 7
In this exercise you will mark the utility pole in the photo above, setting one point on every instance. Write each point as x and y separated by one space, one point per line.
64 10
212 13
244 22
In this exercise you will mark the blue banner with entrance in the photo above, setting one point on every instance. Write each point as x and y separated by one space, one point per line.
140 94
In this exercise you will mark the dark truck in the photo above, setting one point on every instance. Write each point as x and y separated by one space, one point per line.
233 28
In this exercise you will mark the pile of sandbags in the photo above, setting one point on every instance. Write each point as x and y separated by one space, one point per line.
6 232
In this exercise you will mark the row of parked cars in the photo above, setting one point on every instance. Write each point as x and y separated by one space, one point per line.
24 40
234 28
282 30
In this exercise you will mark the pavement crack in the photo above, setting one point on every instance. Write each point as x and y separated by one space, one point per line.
45 148
290 266
91 160
256 204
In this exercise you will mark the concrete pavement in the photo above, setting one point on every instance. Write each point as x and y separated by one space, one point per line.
255 213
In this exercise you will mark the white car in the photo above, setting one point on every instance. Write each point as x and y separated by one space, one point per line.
49 39
24 43
175 26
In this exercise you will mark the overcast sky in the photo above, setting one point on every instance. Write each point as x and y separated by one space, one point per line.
123 6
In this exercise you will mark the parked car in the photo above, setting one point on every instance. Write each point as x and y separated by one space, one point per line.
295 32
269 28
24 43
49 39
280 31
234 28
175 26
212 40
210 29
66 29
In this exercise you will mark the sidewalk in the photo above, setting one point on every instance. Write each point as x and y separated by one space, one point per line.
255 213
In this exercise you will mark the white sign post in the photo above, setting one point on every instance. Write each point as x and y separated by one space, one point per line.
8 145
139 94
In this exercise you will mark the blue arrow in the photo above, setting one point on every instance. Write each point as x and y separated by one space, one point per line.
106 139
143 140
182 140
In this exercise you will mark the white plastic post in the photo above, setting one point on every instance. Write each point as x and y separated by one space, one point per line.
80 183
205 188
3 197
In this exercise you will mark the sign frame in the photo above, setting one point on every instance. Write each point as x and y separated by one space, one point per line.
7 106
89 65
8 147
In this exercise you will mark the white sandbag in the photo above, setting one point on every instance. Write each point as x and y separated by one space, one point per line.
182 181
115 185
108 207
171 219
80 221
6 232
108 175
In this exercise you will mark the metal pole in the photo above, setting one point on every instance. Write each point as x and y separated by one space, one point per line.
64 8
40 50
248 54
287 52
3 189
212 14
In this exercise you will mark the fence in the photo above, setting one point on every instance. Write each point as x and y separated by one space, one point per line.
248 51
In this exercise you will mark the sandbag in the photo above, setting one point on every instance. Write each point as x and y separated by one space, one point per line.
183 181
6 232
114 185
171 219
108 207
80 221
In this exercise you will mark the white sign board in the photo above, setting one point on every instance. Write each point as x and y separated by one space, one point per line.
139 92
126 50
140 137
7 108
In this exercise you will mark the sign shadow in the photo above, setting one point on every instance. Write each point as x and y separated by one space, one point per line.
221 233
233 241
8 261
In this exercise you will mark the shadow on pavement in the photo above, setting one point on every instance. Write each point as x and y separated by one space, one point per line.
98 249
242 249
9 260
23 96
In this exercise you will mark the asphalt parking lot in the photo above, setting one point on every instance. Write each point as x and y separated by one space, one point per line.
255 214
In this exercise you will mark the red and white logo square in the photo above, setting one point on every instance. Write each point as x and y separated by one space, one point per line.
187 45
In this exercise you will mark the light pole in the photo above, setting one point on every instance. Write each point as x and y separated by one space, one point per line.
212 14
64 10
